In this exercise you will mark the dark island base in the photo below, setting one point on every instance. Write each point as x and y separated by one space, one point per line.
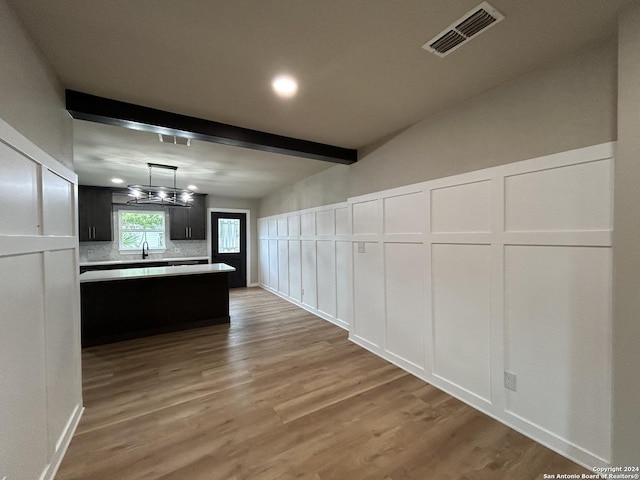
124 309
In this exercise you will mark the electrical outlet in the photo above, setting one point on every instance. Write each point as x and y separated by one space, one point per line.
510 380
360 247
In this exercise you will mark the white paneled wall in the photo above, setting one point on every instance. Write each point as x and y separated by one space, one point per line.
40 378
460 279
305 257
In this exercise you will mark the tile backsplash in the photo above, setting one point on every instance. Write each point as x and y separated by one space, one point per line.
107 251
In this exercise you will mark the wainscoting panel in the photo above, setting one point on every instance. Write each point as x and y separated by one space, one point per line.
264 262
24 384
461 208
294 225
40 377
557 301
365 217
273 227
315 249
461 283
326 269
308 224
283 227
19 187
62 369
368 293
309 283
283 265
344 282
57 195
508 269
461 279
398 216
273 263
325 223
295 272
405 268
572 198
342 221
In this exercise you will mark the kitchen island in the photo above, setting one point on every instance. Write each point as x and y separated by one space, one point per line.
134 302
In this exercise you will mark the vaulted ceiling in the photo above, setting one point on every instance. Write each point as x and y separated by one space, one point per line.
361 71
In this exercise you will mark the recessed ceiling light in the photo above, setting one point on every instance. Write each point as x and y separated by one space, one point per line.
285 86
117 180
192 187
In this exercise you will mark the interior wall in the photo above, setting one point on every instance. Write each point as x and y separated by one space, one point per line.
214 201
324 188
31 95
40 365
305 257
40 374
567 105
626 261
461 279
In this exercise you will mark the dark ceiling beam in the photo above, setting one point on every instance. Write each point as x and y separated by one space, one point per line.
84 106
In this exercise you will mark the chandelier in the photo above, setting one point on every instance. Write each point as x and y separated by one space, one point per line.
158 195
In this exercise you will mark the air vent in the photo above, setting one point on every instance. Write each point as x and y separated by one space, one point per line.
175 140
462 30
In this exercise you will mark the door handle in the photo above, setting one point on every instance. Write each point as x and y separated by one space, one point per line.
94 233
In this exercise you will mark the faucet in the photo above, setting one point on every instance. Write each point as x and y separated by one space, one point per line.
145 249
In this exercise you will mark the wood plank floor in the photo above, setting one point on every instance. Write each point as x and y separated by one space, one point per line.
280 394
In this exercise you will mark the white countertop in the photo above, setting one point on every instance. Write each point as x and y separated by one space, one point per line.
137 259
148 272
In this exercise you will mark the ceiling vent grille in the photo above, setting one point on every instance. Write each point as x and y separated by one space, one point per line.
459 32
174 139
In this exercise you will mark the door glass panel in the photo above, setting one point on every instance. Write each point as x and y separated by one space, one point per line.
228 235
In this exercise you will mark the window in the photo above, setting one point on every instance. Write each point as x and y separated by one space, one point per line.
136 227
228 235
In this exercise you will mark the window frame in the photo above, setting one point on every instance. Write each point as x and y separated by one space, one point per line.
120 230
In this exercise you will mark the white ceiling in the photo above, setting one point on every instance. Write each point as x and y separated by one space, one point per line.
360 65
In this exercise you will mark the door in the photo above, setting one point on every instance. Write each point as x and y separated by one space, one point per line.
229 244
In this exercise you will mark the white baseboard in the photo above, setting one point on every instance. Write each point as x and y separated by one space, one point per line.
544 437
336 321
62 444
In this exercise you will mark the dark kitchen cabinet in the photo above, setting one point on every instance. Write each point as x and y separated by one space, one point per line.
189 223
94 214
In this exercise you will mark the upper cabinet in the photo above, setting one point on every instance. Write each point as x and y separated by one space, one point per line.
189 223
94 214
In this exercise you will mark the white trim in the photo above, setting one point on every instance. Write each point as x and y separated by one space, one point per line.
497 238
18 142
544 437
20 245
318 313
315 237
246 211
62 444
136 251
